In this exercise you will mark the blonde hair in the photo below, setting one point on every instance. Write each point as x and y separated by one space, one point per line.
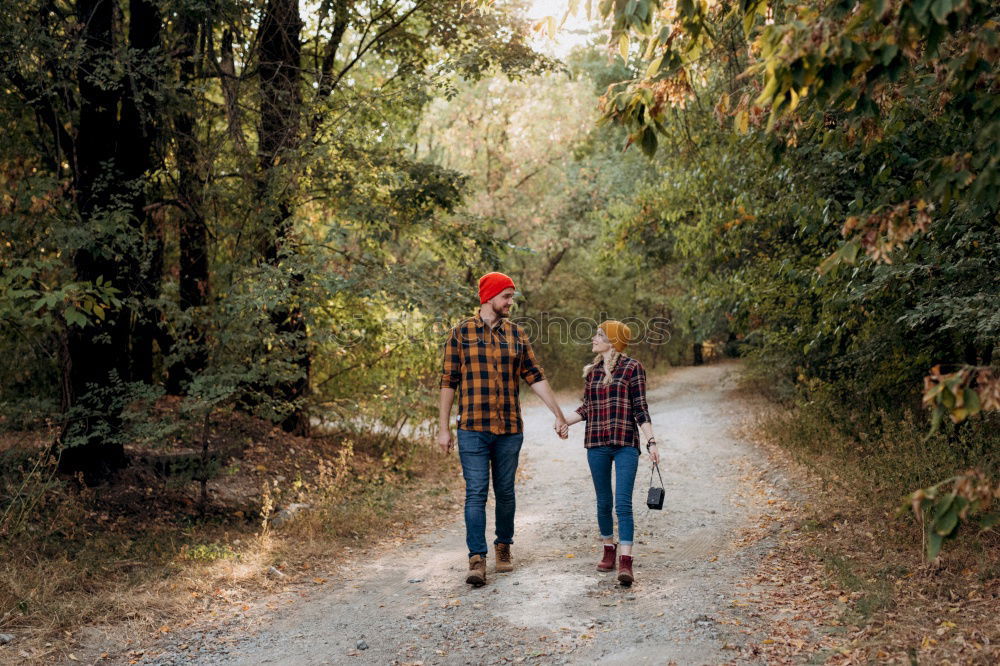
609 365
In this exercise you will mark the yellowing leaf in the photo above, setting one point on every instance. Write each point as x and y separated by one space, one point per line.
742 121
654 67
623 46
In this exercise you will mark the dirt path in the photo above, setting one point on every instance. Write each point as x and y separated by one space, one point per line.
411 605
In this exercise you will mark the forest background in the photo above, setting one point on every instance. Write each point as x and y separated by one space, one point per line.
217 215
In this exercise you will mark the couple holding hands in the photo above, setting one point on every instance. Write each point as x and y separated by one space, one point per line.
485 356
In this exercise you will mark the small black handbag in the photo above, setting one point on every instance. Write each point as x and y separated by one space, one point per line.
654 498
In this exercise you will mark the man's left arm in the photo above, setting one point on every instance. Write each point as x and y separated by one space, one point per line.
544 391
532 373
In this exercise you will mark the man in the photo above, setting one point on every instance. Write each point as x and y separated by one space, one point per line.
484 358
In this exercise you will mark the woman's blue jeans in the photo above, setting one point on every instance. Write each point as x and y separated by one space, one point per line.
626 462
481 452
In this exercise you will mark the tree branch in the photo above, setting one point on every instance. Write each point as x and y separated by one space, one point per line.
364 48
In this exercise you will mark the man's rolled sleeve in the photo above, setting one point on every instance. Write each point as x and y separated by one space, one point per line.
637 394
530 371
451 370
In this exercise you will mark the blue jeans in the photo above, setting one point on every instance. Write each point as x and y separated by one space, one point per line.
626 461
480 452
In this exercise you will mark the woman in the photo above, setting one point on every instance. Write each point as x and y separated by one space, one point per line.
614 407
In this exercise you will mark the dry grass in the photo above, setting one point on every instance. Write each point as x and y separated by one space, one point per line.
848 572
113 565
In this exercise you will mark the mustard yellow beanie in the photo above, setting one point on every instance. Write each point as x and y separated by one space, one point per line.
618 333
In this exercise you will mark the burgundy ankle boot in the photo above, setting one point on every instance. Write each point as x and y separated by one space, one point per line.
608 562
625 576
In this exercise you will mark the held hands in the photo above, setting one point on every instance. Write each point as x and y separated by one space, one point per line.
561 427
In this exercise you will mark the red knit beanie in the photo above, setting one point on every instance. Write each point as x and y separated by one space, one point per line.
492 284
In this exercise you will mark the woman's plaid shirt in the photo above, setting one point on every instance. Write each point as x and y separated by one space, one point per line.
484 365
614 412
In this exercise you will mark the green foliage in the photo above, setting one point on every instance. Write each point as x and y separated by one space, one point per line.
543 180
857 138
280 288
821 123
942 509
960 394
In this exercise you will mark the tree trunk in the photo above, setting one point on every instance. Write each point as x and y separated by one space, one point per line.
279 135
96 353
115 149
193 231
139 136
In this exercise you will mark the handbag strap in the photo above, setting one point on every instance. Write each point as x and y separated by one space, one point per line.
657 468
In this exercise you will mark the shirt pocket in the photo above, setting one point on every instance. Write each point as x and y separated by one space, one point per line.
473 341
618 395
474 354
508 358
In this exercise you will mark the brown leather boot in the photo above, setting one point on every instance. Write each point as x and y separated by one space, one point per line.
504 563
625 576
477 571
607 563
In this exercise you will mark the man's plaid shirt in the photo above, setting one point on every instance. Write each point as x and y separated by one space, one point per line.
484 365
614 412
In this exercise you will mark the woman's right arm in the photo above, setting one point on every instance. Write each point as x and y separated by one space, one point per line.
580 413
